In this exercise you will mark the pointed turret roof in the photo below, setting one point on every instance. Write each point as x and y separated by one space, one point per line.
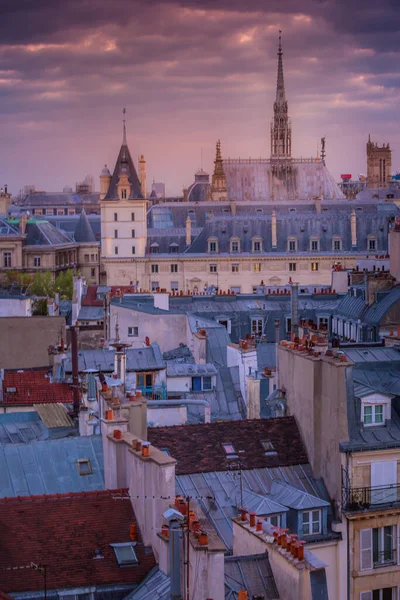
219 167
280 84
83 230
124 165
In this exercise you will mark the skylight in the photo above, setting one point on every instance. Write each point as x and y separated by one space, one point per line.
229 450
268 448
125 553
84 466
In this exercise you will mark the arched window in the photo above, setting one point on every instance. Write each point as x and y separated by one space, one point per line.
235 245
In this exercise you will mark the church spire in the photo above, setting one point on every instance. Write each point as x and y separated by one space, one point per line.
281 133
124 127
280 83
218 184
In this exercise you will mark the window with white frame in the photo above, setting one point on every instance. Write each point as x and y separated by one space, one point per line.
235 245
235 289
125 554
79 595
257 267
213 268
312 522
274 520
314 244
201 384
379 547
314 266
174 286
292 267
235 268
36 261
155 286
133 331
292 244
257 326
372 243
7 259
154 268
174 268
123 194
213 245
115 249
375 409
381 594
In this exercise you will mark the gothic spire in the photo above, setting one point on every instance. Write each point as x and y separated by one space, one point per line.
280 84
124 127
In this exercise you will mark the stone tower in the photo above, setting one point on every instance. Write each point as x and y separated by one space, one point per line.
218 185
281 131
379 164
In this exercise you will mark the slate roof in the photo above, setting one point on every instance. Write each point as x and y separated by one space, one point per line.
124 164
250 573
180 354
50 467
66 531
60 199
198 448
190 370
156 586
83 231
148 358
375 313
33 387
21 428
43 233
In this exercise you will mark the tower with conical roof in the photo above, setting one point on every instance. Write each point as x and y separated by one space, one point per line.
123 218
281 131
218 185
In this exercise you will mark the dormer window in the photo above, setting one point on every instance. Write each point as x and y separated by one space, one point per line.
125 553
123 194
154 248
375 409
372 243
235 245
257 245
336 243
213 245
314 244
292 244
311 522
268 448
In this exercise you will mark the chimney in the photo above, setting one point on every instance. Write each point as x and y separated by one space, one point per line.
161 300
273 229
295 307
185 195
138 418
233 207
188 231
22 224
142 169
353 222
75 369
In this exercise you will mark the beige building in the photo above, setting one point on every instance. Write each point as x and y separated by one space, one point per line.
379 165
29 245
351 429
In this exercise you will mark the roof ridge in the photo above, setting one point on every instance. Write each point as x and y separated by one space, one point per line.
64 496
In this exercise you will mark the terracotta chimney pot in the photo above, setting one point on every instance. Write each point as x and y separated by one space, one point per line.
117 434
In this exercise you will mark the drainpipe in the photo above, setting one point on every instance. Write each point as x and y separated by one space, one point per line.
348 539
75 369
277 336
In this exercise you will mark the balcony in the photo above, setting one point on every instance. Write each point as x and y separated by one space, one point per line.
153 392
384 558
370 498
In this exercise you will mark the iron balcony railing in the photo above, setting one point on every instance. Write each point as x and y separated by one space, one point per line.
384 558
153 392
364 498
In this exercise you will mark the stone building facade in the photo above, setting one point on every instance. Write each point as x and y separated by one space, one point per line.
379 165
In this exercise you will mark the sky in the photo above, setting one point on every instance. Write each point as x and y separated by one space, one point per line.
189 73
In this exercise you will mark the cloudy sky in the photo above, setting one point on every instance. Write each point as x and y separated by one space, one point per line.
188 73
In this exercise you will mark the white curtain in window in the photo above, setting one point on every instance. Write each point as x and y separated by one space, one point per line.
384 475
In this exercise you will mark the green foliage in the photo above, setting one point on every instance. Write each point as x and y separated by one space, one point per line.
42 284
39 307
64 284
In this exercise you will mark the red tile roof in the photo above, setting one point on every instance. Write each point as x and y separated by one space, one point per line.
91 297
63 532
33 387
198 448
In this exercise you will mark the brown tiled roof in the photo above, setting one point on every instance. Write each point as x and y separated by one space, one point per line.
90 299
198 448
63 532
34 387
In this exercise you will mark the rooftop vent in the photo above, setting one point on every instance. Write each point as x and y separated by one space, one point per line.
11 390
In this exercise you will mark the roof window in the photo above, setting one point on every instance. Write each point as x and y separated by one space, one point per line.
229 450
11 390
268 448
84 466
125 553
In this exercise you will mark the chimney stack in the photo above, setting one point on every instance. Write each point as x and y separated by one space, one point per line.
318 200
22 224
273 230
185 194
188 231
295 308
233 207
75 368
353 221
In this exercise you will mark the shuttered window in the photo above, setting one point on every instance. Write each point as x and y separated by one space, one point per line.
366 549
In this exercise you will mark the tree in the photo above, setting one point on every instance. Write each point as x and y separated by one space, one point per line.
39 307
42 284
64 284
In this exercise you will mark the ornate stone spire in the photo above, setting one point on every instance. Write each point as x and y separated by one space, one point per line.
218 183
124 127
281 133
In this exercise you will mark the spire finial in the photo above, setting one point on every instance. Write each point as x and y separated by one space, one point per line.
280 43
124 126
116 329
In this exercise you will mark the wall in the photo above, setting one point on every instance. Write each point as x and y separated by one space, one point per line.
15 307
25 340
316 396
168 330
194 271
117 268
394 244
171 415
244 359
333 554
